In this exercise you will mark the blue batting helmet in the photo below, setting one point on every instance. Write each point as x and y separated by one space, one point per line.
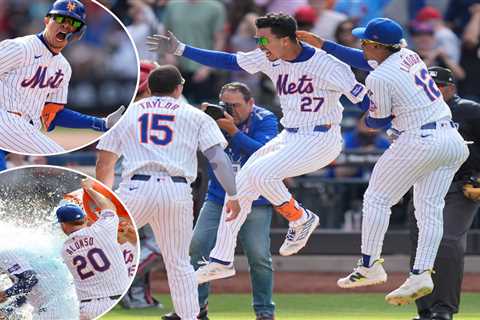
69 213
381 30
73 9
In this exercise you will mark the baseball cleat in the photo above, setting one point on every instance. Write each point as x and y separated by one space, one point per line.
297 236
363 276
416 286
213 271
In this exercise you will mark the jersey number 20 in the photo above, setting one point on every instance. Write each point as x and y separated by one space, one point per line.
94 260
150 124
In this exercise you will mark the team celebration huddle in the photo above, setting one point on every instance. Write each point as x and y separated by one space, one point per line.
336 141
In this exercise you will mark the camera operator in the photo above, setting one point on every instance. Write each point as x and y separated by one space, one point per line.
247 128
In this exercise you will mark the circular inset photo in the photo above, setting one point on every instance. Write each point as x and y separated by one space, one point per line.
68 247
68 70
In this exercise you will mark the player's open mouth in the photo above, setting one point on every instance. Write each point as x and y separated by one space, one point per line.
61 36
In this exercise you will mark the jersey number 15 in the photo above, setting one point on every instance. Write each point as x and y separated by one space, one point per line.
152 131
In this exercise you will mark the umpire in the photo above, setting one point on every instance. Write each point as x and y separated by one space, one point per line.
247 129
459 210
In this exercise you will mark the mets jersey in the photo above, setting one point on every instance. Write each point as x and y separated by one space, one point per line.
401 86
95 259
30 76
130 255
162 134
309 89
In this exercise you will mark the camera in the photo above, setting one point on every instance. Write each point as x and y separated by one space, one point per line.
216 110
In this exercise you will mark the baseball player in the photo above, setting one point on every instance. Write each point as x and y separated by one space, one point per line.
309 84
34 78
30 286
426 154
160 137
93 255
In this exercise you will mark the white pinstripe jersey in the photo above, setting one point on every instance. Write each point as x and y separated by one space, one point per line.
309 91
13 263
130 255
30 76
162 134
401 86
95 259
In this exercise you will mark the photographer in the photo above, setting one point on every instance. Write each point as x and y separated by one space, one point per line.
247 128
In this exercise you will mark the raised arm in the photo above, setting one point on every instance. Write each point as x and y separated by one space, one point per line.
215 59
351 56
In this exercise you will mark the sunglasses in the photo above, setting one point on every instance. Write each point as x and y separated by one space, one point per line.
366 41
74 23
262 41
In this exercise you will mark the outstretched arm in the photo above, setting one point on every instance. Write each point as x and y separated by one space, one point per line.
351 56
53 116
215 59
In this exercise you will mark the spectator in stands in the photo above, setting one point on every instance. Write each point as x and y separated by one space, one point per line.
364 139
445 38
306 17
244 40
425 45
470 60
287 7
343 36
458 14
204 28
327 20
361 11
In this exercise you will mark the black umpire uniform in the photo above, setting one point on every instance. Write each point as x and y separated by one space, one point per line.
458 213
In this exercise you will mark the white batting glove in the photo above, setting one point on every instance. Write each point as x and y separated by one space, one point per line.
113 117
165 44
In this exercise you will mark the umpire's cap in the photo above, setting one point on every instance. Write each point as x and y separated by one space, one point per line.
382 30
442 76
69 213
69 8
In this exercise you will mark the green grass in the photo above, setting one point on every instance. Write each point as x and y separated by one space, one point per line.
304 307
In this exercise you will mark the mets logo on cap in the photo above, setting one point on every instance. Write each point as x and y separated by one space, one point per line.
71 6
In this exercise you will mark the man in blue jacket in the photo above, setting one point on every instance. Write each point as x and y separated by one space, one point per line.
247 129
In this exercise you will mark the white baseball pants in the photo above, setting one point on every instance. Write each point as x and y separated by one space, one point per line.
426 160
287 155
19 136
168 208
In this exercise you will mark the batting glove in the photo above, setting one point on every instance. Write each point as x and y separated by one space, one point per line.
113 117
165 44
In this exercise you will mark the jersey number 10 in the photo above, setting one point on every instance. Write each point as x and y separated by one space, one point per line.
150 124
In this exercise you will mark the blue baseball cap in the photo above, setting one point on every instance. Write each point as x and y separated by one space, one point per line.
381 30
70 212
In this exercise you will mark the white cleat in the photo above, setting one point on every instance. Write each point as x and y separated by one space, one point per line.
297 237
213 271
363 276
416 286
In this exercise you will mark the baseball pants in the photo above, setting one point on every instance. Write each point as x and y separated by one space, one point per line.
167 206
19 136
458 216
426 160
287 155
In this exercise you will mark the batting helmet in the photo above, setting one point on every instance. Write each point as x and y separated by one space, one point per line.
73 9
